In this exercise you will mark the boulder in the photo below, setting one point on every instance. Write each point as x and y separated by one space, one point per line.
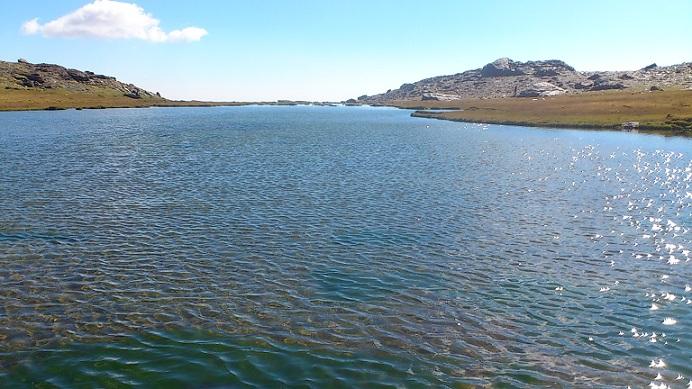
502 67
24 61
541 89
650 67
407 87
583 84
630 125
78 75
427 95
134 94
655 88
606 85
35 77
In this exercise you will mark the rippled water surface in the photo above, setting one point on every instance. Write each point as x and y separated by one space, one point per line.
332 247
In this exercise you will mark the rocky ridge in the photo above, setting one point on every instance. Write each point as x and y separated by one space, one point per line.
25 75
508 78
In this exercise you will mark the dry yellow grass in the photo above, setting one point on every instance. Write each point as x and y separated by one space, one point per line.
27 99
38 99
662 110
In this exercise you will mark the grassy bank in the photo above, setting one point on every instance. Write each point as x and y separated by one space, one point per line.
661 111
41 99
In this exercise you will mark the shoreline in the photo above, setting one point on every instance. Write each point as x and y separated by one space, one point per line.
96 107
665 113
584 127
173 104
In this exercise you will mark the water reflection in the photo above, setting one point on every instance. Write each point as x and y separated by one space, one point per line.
477 254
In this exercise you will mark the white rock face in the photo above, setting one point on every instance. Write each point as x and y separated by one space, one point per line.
541 89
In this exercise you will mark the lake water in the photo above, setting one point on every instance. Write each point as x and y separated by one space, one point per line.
339 247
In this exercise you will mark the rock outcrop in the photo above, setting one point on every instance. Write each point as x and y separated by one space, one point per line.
508 78
23 74
502 67
505 67
541 89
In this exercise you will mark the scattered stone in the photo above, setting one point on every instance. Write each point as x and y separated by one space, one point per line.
655 88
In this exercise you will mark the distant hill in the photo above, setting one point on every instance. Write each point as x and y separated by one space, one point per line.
25 75
508 78
24 85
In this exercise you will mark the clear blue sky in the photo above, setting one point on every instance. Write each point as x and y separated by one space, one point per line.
329 50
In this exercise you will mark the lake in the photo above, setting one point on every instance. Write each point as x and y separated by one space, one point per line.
339 247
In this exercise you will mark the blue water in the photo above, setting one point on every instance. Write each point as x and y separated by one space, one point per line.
338 247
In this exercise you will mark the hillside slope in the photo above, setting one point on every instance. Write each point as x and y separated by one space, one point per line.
24 85
508 78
